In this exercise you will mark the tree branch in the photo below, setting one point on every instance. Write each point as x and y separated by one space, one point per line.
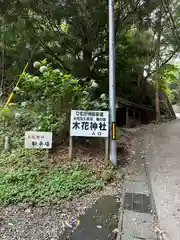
164 63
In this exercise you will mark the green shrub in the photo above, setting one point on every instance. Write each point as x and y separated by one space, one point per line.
43 103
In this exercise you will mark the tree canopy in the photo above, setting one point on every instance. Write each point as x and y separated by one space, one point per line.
74 36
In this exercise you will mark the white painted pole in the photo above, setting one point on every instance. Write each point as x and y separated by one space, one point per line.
112 93
6 143
106 151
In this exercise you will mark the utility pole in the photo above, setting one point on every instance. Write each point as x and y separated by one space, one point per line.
158 64
112 92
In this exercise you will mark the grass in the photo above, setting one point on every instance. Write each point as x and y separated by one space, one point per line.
27 176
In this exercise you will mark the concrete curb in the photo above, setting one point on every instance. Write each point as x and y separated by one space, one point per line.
165 237
121 213
153 205
160 235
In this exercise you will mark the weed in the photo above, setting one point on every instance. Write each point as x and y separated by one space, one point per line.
25 179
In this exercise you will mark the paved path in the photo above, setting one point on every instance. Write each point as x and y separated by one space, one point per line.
136 218
157 166
163 161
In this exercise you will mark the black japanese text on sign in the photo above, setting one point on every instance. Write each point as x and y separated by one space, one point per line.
89 123
37 139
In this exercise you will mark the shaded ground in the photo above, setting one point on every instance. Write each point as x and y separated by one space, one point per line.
162 149
136 218
100 222
156 173
27 222
93 151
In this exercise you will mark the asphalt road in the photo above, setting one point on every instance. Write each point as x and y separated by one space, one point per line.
162 144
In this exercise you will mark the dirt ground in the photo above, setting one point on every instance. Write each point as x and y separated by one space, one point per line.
46 222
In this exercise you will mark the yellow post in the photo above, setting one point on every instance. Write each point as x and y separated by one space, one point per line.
12 93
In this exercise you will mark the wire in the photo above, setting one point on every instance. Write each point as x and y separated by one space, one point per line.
167 10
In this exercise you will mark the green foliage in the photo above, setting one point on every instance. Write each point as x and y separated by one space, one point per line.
20 158
26 176
43 103
134 51
73 35
169 80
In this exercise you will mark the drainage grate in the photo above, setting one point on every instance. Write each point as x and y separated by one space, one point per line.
137 202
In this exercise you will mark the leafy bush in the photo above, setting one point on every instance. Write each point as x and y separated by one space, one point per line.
43 102
169 81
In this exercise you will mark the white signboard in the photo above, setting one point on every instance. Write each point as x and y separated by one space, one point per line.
41 140
89 123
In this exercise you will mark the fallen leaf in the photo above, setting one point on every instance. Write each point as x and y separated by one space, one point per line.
67 224
116 230
11 224
99 226
28 210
